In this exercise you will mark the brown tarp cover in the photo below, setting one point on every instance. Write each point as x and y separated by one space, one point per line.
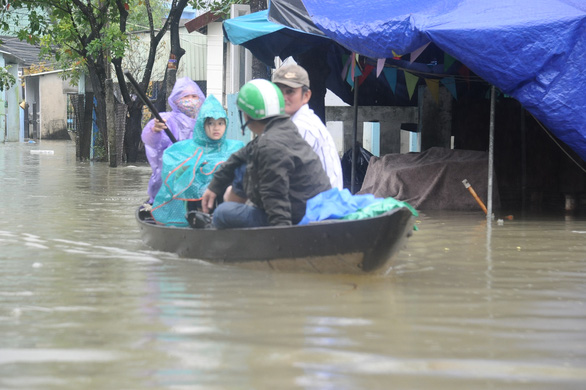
431 180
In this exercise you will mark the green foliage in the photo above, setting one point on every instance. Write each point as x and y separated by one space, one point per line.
100 150
22 21
7 80
138 19
73 32
219 7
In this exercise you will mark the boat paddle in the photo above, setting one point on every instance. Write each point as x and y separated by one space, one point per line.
149 104
479 201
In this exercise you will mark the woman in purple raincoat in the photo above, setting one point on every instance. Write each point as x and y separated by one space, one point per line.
185 101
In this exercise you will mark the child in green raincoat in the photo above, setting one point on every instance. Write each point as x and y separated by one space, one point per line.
188 166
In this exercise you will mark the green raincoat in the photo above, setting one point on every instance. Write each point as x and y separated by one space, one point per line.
188 167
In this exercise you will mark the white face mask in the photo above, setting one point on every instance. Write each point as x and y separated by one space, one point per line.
189 106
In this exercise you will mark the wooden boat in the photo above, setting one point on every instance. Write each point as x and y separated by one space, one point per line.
365 246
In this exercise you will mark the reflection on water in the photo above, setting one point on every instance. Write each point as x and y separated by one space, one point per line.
85 305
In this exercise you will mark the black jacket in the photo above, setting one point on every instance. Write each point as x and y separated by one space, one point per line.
282 172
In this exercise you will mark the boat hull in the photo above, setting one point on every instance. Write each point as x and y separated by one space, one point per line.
331 247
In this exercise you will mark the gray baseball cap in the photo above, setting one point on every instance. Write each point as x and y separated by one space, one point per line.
293 76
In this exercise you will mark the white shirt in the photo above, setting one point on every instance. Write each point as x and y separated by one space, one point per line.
319 138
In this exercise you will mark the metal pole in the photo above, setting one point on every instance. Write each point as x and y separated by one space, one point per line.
355 137
490 154
523 163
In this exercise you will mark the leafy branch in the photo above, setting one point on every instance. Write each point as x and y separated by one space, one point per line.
7 80
218 7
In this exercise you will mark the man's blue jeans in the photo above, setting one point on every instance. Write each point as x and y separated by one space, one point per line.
238 215
238 183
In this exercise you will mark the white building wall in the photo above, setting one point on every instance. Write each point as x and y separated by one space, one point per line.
9 109
215 61
3 122
13 109
52 104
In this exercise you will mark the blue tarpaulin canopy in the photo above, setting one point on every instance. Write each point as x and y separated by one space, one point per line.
532 50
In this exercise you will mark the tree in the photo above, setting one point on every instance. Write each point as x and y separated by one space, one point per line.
87 36
79 35
135 106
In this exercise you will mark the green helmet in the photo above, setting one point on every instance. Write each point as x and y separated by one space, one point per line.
261 99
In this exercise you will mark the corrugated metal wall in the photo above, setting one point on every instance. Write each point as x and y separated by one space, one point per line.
193 63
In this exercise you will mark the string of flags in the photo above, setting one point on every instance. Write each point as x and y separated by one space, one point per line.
354 69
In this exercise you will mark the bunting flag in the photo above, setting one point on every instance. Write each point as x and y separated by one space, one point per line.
433 85
464 71
347 60
380 64
355 72
450 84
417 52
448 61
411 81
391 76
367 70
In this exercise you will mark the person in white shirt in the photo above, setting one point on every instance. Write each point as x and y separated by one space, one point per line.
293 81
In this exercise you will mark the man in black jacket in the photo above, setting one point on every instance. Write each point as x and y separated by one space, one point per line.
282 171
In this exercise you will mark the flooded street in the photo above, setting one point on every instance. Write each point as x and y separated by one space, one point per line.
84 304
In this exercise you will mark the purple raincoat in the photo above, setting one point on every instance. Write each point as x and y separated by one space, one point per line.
180 125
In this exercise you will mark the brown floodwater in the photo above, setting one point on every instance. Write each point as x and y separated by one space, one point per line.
84 304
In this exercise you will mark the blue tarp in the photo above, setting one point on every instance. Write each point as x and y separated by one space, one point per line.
248 27
532 50
266 40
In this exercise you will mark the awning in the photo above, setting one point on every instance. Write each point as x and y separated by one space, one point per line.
532 50
267 40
